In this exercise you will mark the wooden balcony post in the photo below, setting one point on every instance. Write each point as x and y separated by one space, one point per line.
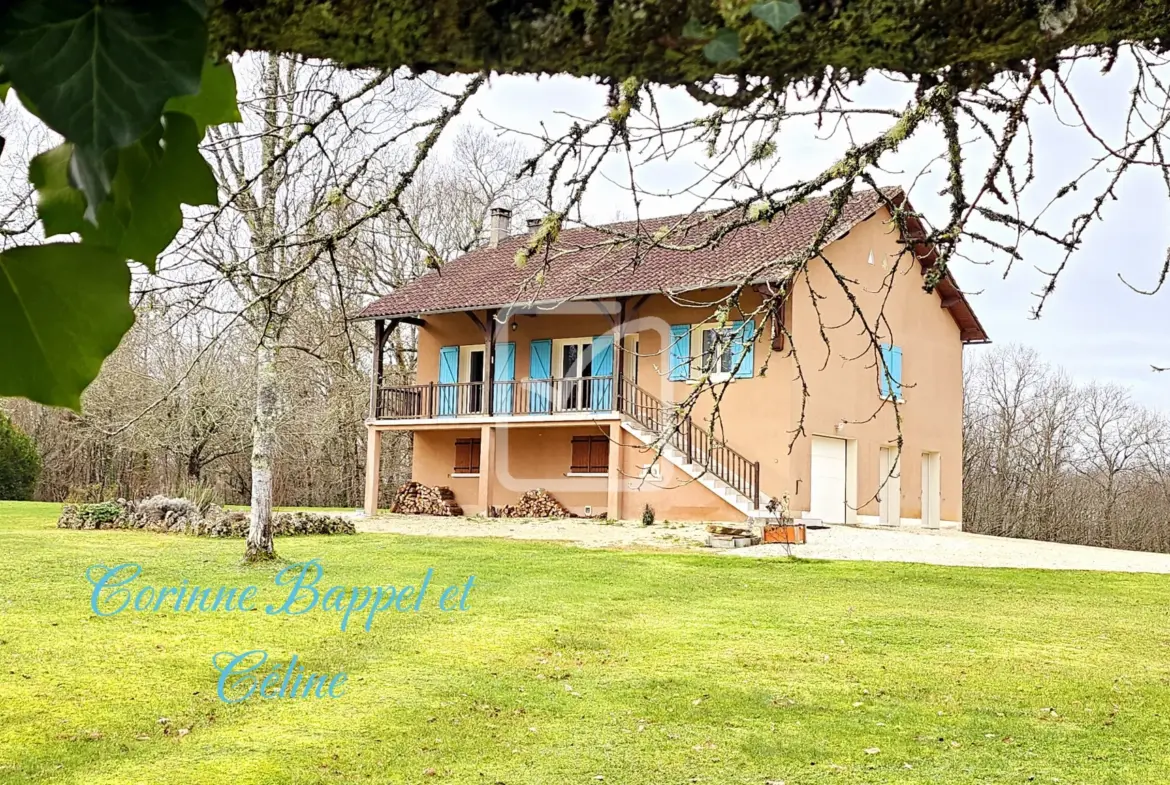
376 367
431 400
489 361
619 356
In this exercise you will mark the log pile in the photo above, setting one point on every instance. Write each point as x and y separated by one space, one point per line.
414 498
537 503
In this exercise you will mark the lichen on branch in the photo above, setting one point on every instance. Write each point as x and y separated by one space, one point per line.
616 39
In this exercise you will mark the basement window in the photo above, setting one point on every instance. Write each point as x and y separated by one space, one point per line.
466 456
590 455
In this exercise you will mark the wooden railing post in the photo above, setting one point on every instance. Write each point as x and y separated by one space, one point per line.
431 400
756 488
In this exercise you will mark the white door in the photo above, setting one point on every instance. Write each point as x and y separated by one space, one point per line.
931 491
827 479
890 487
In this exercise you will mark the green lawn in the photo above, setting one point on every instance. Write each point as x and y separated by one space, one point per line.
572 665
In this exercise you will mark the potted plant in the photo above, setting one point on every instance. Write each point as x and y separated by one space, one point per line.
781 528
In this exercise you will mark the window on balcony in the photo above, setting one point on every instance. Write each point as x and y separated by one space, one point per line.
590 455
466 456
573 364
471 369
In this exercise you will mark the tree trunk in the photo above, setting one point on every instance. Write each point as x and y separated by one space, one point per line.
259 542
268 321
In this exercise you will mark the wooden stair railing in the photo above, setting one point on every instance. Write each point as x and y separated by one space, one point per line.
695 442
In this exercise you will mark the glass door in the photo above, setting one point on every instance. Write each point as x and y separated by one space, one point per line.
472 372
575 366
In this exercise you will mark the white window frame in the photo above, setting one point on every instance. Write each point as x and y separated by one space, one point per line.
630 357
465 360
697 372
558 358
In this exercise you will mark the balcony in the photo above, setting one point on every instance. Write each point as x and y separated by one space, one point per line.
662 425
586 396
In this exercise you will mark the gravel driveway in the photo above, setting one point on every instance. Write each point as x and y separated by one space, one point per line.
584 532
960 549
944 547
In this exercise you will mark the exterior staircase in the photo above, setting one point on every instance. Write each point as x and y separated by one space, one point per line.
709 461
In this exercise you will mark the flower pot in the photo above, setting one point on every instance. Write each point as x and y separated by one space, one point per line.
787 532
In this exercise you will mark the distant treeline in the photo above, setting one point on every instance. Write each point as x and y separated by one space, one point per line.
1048 459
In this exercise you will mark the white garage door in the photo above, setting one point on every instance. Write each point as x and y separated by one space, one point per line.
828 479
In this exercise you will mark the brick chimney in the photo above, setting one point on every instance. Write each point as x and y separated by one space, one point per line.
498 225
534 224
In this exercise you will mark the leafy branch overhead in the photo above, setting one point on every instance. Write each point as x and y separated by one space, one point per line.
131 86
131 90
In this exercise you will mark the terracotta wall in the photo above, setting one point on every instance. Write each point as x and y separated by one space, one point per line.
674 495
846 388
758 416
434 458
526 458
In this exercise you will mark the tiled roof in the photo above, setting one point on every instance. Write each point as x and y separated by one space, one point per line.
623 259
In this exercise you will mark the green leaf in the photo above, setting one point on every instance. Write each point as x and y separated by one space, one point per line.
694 29
63 309
60 206
776 13
215 102
143 212
180 176
723 47
99 73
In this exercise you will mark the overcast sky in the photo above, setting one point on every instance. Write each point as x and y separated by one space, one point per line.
1093 326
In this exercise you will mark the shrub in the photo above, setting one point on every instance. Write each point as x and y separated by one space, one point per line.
20 463
647 515
101 515
204 497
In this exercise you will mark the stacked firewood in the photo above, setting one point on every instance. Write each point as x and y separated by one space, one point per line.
537 503
414 498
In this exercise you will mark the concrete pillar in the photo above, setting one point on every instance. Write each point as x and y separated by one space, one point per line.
487 466
373 470
614 496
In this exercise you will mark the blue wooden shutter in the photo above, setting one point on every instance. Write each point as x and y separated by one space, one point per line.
896 371
680 352
448 377
505 371
743 349
540 371
886 370
602 367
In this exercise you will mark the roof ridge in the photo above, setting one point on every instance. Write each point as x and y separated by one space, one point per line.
889 191
488 275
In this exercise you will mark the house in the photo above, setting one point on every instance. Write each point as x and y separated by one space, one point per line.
640 364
